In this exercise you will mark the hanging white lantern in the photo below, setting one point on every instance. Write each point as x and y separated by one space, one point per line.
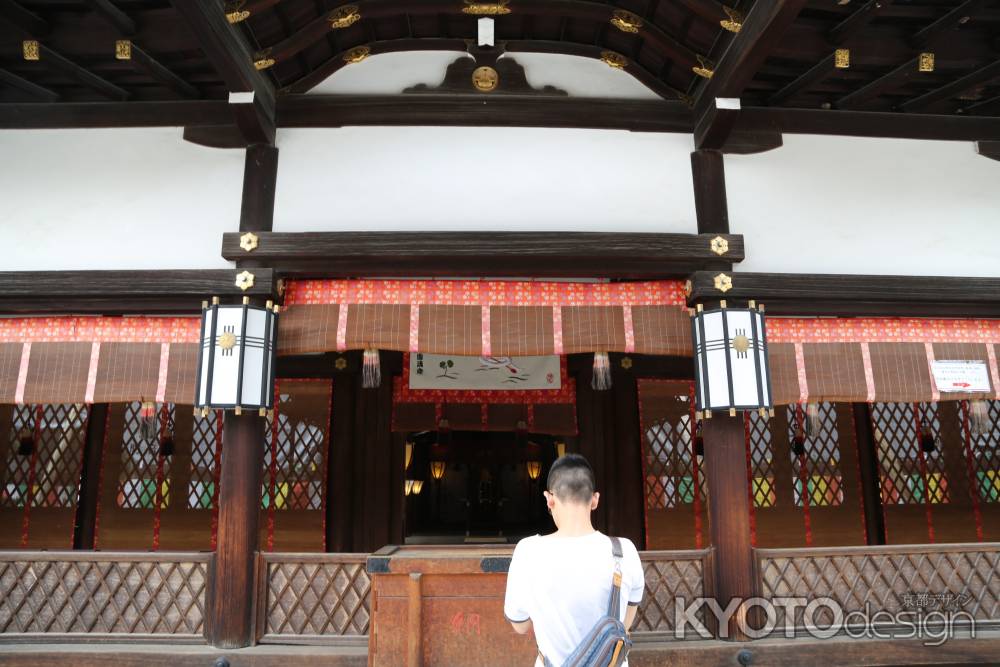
236 356
730 359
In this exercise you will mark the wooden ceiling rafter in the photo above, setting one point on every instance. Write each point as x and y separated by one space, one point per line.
113 15
954 88
885 83
958 16
142 61
49 58
38 92
24 19
858 19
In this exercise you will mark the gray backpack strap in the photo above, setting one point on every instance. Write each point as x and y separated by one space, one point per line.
615 603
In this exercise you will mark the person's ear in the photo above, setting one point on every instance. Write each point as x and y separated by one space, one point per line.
550 500
594 500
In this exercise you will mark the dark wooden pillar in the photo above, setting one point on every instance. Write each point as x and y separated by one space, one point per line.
340 464
871 495
260 175
709 175
229 622
85 527
624 457
729 513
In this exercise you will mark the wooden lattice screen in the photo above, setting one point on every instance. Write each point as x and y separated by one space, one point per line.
41 453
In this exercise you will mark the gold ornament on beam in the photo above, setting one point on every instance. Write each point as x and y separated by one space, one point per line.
244 280
719 245
613 59
235 13
123 49
486 8
249 241
735 21
344 17
926 62
485 79
29 48
705 68
263 60
842 58
626 21
723 283
357 54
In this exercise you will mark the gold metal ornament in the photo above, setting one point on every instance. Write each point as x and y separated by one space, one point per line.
340 364
123 49
626 21
842 58
735 21
926 62
263 60
613 59
741 344
29 48
687 100
227 340
626 362
485 79
244 280
235 13
345 17
249 241
486 8
357 54
719 245
723 283
705 68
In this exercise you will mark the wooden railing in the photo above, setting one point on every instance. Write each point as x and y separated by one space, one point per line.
893 579
671 575
314 598
67 595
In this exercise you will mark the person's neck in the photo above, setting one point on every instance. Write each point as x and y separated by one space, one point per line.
576 524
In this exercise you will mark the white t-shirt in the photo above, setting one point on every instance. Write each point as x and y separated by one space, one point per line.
563 585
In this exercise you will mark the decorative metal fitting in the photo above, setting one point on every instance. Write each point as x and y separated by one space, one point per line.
263 60
613 59
486 8
926 62
626 362
842 58
687 100
244 280
705 68
226 340
29 48
340 363
123 49
688 286
626 21
723 283
719 245
249 241
235 13
485 79
344 17
357 54
735 21
281 286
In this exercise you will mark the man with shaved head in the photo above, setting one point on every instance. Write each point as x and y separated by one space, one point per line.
559 584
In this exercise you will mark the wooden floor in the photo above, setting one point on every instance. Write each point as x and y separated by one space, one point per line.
984 650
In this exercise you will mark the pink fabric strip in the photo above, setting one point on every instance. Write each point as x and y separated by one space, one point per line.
557 331
95 357
629 329
414 328
929 349
866 360
487 346
991 355
342 327
22 373
800 368
161 381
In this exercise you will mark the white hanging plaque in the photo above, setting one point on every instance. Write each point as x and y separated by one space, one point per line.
443 371
961 376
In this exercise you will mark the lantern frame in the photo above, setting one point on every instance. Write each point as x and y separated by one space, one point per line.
211 341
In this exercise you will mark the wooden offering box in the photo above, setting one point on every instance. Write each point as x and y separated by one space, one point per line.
443 606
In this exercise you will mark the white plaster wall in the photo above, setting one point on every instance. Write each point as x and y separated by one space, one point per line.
115 199
867 206
490 179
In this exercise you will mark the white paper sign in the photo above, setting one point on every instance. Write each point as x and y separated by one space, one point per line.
961 376
443 371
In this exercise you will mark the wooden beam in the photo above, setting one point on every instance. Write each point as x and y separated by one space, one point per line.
846 295
883 84
954 88
253 120
709 176
806 80
50 58
33 89
858 19
260 173
147 64
542 254
958 16
31 23
85 524
35 116
216 136
989 149
871 485
116 17
237 11
990 106
716 123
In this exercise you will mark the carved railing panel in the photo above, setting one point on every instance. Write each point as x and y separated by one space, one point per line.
102 595
955 577
313 596
671 575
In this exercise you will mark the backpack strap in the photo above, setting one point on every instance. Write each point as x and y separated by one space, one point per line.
615 602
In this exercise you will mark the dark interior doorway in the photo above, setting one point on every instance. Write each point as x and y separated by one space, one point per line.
477 487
